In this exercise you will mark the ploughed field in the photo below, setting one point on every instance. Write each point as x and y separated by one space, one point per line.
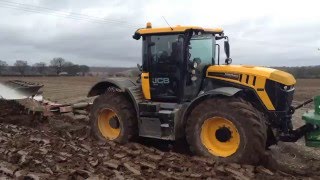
62 147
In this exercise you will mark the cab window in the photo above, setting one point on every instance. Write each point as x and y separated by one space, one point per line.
203 47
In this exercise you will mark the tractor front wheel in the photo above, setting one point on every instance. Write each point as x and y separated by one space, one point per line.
113 117
229 129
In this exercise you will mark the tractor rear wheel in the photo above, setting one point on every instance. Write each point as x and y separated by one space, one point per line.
229 129
113 117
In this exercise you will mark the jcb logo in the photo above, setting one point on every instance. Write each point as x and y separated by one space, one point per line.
160 80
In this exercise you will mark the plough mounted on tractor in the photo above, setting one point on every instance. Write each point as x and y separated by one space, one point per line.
230 112
29 96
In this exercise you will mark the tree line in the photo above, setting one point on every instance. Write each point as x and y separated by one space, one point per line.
57 66
302 72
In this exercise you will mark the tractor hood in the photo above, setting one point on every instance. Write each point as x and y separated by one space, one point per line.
268 73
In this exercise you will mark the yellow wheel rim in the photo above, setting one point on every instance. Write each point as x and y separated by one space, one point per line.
220 136
108 123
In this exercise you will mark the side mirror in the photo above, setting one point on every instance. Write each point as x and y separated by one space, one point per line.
228 61
139 67
136 36
227 48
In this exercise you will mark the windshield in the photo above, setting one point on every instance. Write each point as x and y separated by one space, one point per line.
202 47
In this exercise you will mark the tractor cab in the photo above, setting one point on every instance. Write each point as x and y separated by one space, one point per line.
175 59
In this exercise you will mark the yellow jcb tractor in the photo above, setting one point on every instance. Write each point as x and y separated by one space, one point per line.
230 112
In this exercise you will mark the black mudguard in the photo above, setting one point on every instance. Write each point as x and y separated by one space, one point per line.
120 83
222 91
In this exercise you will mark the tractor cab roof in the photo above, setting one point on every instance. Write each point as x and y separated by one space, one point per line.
148 30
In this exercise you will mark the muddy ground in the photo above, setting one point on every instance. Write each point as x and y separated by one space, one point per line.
61 147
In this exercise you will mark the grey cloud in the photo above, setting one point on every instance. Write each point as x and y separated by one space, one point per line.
260 42
253 40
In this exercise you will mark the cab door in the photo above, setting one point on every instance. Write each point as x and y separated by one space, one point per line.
165 59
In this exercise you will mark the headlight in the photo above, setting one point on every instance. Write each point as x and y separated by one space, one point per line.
287 88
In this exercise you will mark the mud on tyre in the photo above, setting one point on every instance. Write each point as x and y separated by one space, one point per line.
229 129
113 117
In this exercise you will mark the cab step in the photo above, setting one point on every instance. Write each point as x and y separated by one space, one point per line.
157 120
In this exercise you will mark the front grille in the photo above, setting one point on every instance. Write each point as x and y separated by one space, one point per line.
280 95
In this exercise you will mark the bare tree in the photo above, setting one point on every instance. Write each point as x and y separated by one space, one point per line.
3 66
21 66
57 64
71 69
40 67
68 64
84 69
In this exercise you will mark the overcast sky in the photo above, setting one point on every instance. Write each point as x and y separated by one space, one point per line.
99 32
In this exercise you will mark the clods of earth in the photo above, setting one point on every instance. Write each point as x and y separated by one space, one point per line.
62 148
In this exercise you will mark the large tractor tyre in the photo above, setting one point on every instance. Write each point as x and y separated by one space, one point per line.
228 129
113 117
